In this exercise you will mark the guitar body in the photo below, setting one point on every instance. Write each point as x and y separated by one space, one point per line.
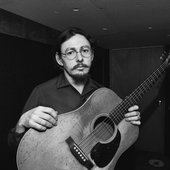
50 150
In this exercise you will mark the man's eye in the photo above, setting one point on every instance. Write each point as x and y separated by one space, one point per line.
70 52
85 50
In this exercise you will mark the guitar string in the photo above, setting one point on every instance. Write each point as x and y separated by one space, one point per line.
148 80
120 109
121 116
102 131
160 70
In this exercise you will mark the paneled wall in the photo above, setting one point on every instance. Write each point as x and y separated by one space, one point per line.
128 69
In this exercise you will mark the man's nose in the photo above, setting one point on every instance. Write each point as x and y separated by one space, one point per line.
79 56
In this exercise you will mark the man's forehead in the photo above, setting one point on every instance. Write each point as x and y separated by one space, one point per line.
75 41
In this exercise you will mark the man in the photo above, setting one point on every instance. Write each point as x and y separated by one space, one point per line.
66 92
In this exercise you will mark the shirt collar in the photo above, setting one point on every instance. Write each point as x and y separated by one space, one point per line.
89 86
62 81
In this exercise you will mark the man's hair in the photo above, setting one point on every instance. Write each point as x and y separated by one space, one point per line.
70 32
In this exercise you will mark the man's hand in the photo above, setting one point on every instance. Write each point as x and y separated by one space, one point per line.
133 116
39 118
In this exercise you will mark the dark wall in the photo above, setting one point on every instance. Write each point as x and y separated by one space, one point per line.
19 26
23 65
167 111
100 67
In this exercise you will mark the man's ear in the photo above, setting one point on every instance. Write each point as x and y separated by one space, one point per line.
58 59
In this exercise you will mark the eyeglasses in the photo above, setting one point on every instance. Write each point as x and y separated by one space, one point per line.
71 53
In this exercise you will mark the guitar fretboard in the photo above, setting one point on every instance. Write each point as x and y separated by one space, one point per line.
118 113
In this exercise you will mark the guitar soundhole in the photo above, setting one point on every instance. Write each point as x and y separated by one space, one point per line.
104 128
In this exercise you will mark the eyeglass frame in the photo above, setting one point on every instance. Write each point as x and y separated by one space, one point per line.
80 51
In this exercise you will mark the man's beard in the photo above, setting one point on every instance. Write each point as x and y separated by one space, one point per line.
79 78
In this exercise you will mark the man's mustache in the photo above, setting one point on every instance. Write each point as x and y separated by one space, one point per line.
80 65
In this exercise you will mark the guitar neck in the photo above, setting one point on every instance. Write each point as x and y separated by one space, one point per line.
118 113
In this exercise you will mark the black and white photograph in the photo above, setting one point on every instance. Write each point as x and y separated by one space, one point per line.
85 84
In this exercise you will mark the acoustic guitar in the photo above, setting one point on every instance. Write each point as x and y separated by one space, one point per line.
92 137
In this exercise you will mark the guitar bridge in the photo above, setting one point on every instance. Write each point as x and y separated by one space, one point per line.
78 154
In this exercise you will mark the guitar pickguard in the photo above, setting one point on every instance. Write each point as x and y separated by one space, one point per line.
103 153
